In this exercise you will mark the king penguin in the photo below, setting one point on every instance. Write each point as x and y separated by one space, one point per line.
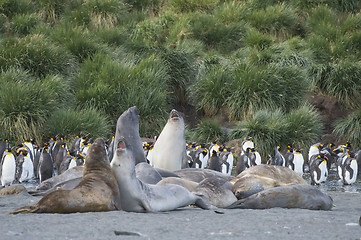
46 168
4 144
25 167
318 169
297 161
349 170
8 168
214 162
243 161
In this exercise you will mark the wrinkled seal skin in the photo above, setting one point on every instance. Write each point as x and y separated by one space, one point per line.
292 196
169 150
137 196
72 173
128 127
216 191
97 191
262 177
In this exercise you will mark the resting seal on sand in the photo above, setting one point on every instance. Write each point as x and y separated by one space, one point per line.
169 150
13 189
97 191
216 191
136 196
262 177
128 127
291 196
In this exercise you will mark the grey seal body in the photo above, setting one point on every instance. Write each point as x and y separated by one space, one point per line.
216 191
198 175
128 127
147 173
136 196
262 177
293 196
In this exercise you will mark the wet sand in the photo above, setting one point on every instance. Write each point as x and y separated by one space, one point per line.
342 222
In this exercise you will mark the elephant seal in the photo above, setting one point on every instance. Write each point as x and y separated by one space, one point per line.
12 189
147 174
216 191
292 196
98 190
128 127
136 196
169 150
190 185
72 173
262 177
198 174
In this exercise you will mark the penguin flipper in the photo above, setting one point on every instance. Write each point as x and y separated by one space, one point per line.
26 209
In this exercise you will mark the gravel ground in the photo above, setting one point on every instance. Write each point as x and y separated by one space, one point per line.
342 222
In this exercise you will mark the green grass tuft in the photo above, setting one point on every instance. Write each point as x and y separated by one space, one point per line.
209 130
70 122
342 80
37 54
26 103
269 128
349 129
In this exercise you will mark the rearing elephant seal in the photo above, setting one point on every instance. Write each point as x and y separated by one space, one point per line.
136 196
128 127
97 191
169 150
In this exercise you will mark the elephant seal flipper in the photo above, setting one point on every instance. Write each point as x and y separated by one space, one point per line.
97 191
292 196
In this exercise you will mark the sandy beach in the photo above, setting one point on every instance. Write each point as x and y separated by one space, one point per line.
342 222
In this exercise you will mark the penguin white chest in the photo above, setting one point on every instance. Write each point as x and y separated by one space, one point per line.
8 170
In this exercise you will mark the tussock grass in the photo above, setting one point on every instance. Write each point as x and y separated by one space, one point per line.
257 39
154 31
182 68
210 92
23 24
279 20
349 129
70 122
78 40
37 54
341 80
215 34
270 128
11 8
184 6
26 102
98 14
254 88
209 130
112 87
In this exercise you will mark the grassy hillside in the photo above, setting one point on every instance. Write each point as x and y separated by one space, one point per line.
75 65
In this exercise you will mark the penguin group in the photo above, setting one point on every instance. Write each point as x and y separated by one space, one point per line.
249 156
203 156
27 162
217 157
326 158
